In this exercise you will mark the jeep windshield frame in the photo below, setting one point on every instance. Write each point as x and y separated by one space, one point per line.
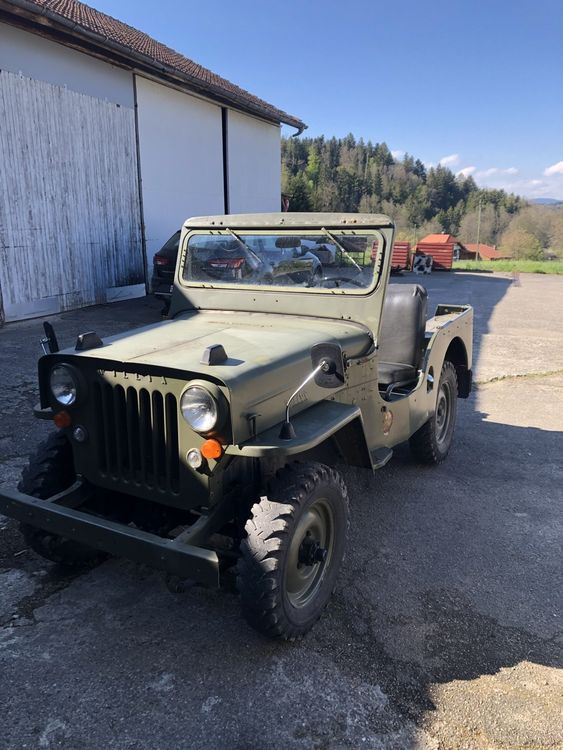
360 301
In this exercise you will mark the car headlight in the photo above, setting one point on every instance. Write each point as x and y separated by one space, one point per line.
199 408
63 385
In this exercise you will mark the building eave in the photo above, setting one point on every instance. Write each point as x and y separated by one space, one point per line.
43 21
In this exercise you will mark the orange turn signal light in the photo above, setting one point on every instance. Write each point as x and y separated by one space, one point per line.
62 419
212 449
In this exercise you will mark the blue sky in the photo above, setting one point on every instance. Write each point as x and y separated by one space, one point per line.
475 84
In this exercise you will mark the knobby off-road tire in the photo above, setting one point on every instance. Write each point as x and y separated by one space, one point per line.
50 471
293 549
432 442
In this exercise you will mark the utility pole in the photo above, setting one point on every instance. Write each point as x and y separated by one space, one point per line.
478 254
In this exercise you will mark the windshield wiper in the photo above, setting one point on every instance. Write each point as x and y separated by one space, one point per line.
239 240
341 248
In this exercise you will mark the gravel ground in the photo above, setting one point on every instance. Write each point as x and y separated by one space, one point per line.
445 631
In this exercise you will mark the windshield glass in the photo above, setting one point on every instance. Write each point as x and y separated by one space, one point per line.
321 261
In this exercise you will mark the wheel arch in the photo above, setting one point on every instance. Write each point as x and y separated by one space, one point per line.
347 444
456 353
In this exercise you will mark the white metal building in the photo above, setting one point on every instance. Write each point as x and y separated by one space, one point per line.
108 141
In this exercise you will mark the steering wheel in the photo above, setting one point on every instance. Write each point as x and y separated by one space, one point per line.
345 279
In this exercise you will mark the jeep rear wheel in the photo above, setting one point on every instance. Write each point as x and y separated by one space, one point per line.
50 471
432 442
294 546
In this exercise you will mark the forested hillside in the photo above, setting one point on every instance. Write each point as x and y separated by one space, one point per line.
351 175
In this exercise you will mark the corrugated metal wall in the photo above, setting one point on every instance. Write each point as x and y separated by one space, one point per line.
442 254
70 231
401 255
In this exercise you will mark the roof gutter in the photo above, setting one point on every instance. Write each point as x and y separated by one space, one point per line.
35 11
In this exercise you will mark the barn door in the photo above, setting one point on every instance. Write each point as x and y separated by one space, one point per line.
70 231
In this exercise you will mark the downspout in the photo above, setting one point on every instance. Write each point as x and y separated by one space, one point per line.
300 129
225 139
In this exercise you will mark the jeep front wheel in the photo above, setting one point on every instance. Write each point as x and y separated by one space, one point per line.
294 546
50 471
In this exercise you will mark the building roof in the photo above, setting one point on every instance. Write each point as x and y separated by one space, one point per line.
438 239
487 252
90 30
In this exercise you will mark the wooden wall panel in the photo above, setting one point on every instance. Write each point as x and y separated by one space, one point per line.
69 205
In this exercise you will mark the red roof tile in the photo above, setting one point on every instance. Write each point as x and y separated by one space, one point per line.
487 252
130 40
439 239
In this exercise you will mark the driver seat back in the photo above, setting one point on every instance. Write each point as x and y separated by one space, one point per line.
401 338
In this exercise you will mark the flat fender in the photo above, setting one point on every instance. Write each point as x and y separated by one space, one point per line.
312 427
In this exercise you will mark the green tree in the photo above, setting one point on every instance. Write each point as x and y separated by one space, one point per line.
350 174
521 245
298 190
313 166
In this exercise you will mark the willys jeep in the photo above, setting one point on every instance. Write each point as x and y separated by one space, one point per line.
205 445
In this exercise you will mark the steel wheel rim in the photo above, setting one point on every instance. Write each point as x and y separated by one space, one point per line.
443 412
315 527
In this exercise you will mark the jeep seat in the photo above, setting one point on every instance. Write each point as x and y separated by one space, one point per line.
401 338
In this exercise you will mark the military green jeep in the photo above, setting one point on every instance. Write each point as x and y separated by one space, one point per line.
205 445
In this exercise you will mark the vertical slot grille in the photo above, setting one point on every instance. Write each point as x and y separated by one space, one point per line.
137 435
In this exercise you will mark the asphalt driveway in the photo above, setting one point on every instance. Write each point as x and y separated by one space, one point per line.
445 631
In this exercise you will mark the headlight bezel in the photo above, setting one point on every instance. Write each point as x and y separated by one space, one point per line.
213 392
76 380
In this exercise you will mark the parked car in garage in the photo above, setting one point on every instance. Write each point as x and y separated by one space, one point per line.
164 263
223 260
258 259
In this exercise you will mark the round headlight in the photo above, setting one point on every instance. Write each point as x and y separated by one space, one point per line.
63 385
199 409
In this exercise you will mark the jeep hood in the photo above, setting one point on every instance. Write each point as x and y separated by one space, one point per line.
268 356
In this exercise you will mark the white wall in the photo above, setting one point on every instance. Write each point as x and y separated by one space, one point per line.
180 143
35 57
254 164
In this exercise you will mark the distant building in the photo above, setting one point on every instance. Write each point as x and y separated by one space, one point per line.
109 140
444 249
485 252
401 256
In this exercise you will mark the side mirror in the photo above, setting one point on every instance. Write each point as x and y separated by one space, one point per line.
328 372
331 374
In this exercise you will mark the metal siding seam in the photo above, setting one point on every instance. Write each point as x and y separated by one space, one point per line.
140 186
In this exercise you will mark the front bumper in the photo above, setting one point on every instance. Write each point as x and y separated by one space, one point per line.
56 515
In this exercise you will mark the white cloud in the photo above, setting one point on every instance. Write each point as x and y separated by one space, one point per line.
450 161
554 169
492 171
488 172
397 153
530 188
466 171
